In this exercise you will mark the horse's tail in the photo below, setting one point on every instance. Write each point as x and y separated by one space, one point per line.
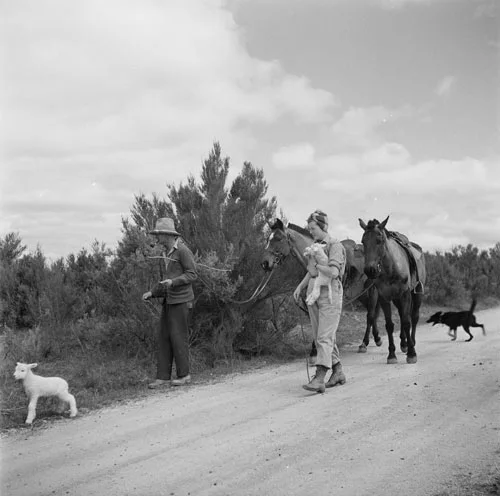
473 306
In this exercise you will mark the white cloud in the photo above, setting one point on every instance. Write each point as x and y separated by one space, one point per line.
397 4
357 126
437 203
486 8
458 177
444 87
297 156
129 95
386 156
363 127
117 74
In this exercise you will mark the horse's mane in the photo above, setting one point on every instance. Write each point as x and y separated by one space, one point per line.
300 230
402 239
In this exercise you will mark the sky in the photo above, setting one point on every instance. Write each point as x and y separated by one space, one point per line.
362 108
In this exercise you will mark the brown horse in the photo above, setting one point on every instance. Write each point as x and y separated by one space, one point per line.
293 240
398 269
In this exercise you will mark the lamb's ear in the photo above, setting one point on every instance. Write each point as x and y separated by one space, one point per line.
32 365
362 224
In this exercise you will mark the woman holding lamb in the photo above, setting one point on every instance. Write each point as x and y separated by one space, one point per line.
324 298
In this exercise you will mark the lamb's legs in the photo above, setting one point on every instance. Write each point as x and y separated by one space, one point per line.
32 409
69 398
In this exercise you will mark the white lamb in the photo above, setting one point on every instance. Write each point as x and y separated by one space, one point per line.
36 386
316 254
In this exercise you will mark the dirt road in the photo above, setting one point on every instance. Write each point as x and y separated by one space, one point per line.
424 429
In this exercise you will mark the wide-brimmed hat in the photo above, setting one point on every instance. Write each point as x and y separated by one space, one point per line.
165 225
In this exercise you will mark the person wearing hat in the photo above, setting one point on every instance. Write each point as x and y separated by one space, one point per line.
325 314
177 293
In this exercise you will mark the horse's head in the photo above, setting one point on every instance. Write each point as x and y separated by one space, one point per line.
374 244
278 245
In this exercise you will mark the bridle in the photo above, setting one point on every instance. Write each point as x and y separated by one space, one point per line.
380 256
279 257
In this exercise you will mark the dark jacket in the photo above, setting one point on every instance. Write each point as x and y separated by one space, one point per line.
180 268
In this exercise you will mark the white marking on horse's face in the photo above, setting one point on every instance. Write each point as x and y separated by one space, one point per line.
269 241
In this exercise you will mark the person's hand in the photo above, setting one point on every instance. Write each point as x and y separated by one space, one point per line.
147 295
296 293
167 282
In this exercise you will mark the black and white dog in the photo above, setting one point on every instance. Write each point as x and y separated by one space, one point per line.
453 320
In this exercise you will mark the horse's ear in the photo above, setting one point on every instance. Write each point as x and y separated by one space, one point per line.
362 224
279 224
382 225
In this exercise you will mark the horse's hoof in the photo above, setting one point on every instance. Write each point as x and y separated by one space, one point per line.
404 349
321 389
362 348
379 342
411 359
392 361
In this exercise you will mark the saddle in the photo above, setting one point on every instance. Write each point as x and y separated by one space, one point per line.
414 253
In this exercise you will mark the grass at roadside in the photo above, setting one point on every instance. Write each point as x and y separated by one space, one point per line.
98 381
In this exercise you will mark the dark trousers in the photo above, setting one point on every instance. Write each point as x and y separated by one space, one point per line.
173 341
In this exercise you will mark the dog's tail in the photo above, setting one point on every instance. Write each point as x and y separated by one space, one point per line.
473 306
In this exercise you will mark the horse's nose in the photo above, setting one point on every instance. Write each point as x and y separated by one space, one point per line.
265 265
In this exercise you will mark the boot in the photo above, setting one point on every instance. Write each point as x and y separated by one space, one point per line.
158 383
181 381
337 376
318 381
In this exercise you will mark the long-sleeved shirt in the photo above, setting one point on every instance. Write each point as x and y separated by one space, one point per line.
180 268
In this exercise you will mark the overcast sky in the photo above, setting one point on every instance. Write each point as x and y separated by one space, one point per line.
363 108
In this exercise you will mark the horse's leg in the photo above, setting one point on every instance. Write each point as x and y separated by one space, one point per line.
370 301
389 327
366 338
402 336
415 315
376 336
406 313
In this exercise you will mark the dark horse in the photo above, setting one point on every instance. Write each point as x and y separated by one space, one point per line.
398 269
293 240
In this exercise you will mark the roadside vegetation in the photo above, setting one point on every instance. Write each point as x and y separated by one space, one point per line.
82 317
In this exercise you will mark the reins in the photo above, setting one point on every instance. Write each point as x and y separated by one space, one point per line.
348 302
295 253
258 290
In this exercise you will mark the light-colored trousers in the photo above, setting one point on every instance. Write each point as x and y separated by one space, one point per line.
325 317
